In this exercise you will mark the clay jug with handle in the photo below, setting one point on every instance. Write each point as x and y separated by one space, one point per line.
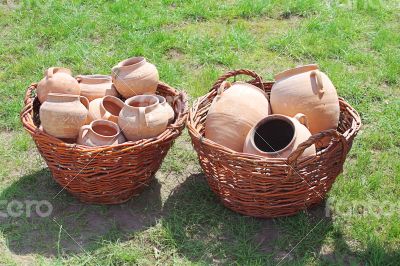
96 86
276 136
135 76
233 112
62 115
142 117
100 133
309 91
57 80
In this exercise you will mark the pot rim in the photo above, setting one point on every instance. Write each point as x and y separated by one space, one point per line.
131 62
55 95
59 69
266 119
295 71
161 99
95 78
133 98
249 85
104 122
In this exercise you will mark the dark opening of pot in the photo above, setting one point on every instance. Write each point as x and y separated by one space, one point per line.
112 107
143 101
273 135
104 130
132 61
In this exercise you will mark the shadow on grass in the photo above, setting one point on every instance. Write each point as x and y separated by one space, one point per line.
203 230
84 226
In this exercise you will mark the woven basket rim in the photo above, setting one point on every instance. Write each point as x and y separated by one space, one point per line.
173 130
257 81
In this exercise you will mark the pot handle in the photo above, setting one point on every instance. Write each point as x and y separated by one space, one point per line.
318 80
293 157
257 79
82 130
106 115
224 85
142 116
302 118
84 101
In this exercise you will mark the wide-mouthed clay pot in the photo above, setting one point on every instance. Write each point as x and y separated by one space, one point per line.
234 112
309 91
135 76
106 108
62 115
96 86
100 133
168 108
276 136
142 117
57 80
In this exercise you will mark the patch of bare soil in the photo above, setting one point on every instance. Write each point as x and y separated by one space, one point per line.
268 234
175 54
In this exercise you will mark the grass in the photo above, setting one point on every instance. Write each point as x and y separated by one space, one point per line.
178 220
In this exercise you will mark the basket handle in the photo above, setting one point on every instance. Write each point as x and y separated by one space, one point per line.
293 157
234 73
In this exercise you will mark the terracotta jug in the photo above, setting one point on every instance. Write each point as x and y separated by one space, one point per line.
276 136
100 133
106 108
168 108
57 80
96 86
306 90
142 117
135 76
62 115
234 112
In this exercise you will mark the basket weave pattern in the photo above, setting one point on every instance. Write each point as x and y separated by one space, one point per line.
107 174
264 187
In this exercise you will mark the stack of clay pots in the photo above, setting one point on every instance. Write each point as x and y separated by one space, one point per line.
303 102
100 110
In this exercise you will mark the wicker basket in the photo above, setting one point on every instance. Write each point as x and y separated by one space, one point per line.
108 174
261 187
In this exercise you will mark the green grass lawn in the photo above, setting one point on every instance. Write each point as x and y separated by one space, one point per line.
178 220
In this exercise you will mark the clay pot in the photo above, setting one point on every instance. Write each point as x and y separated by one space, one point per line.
96 86
168 108
100 133
57 80
135 76
276 136
62 115
142 117
234 112
306 90
106 108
